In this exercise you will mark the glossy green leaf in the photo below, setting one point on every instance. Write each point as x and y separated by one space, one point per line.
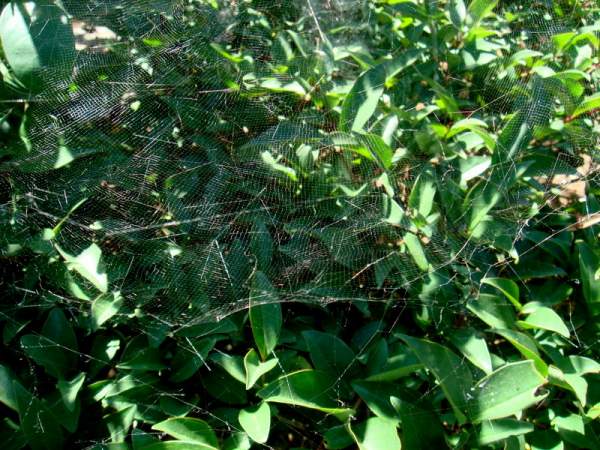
572 382
361 102
119 423
494 310
376 434
545 319
233 365
415 248
256 421
55 348
496 430
237 441
329 353
338 437
526 346
480 9
36 36
105 307
7 393
580 365
508 287
255 369
506 391
306 388
38 424
190 357
449 370
377 396
422 196
87 264
588 266
189 429
458 12
70 389
474 347
265 315
401 361
588 104
141 439
421 426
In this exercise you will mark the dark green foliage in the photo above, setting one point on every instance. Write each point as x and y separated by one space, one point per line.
311 224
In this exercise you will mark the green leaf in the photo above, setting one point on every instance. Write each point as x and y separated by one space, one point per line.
36 36
526 346
451 373
105 307
376 434
145 359
375 149
190 356
572 428
87 265
189 429
580 365
588 104
119 423
7 393
506 392
464 125
338 438
276 166
423 193
544 318
400 62
55 349
265 316
572 382
515 135
38 424
256 421
306 388
175 445
473 167
588 266
497 430
474 347
421 426
458 12
70 389
329 353
494 310
416 251
175 407
508 287
377 396
58 329
400 363
255 369
233 365
221 385
141 440
479 10
237 441
361 102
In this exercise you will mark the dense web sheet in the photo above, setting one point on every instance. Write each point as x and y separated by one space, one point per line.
175 158
116 110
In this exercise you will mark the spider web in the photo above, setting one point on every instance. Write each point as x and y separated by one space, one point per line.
170 138
166 151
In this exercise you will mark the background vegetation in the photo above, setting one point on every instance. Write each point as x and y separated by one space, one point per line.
287 224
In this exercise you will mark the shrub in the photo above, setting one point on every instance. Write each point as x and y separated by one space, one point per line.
320 224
